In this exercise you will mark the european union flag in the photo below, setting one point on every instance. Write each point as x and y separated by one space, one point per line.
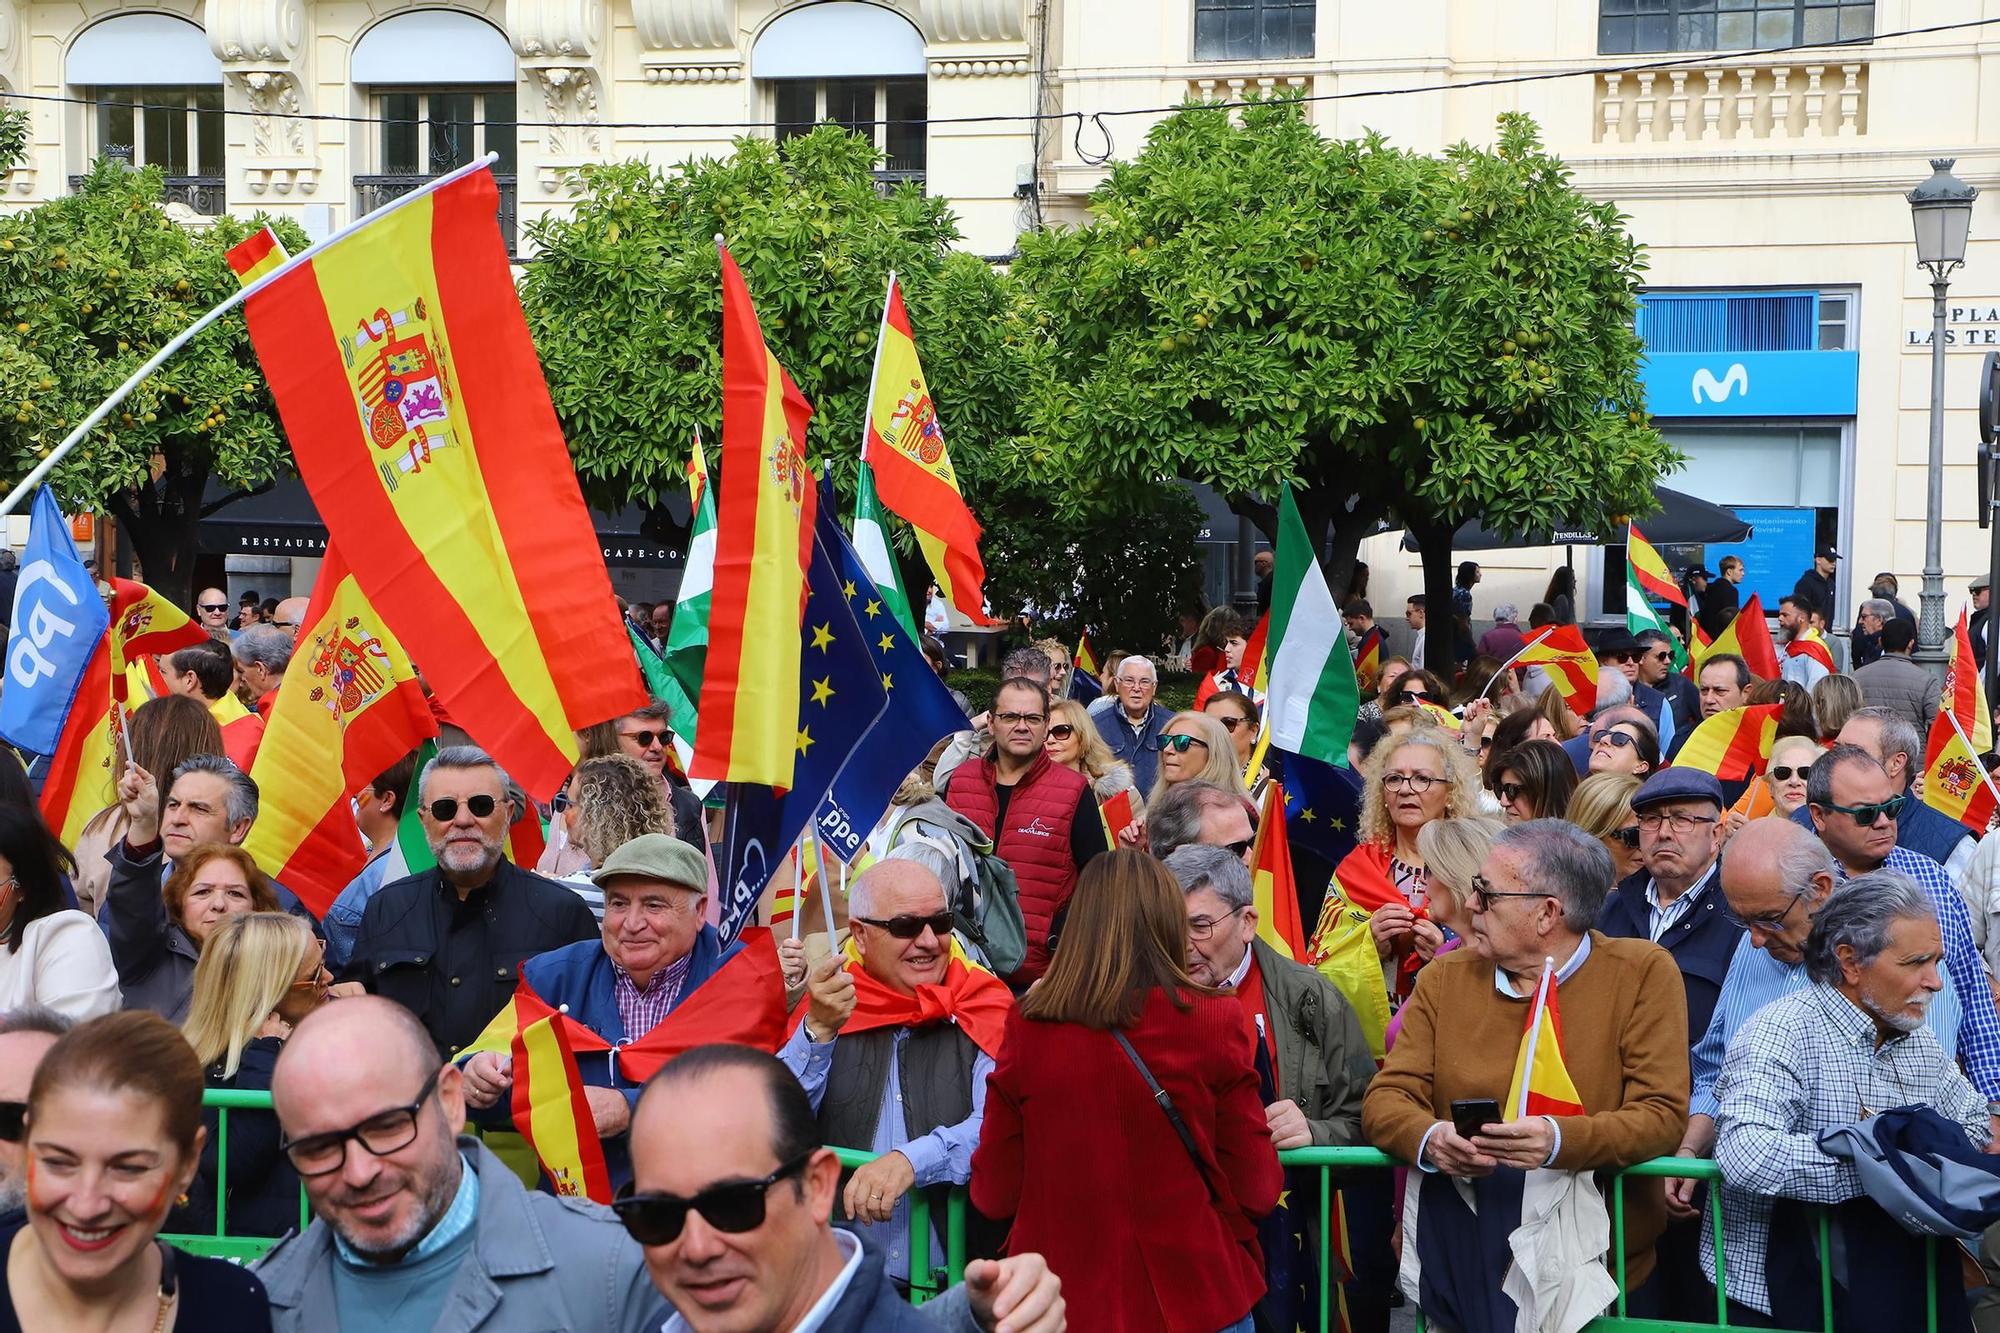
920 713
59 620
840 697
1322 806
1083 686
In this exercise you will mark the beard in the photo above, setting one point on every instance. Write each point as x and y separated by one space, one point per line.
1901 1019
437 1201
13 1191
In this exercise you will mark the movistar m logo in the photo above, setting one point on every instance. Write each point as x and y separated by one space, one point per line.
1707 386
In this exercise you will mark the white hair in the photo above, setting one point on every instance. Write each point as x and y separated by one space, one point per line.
1136 660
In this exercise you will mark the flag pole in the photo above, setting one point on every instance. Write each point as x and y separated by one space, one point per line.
1546 630
1973 750
238 297
1534 1036
875 367
798 886
125 731
826 898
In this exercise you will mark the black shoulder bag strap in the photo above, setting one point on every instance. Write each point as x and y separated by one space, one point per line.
1173 1114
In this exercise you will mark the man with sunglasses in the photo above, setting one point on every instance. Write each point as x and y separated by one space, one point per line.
417 1226
447 944
902 1071
645 735
25 1037
1656 672
1899 748
1854 804
733 1204
211 608
1673 900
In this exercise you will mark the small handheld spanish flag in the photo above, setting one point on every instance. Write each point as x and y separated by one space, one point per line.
553 1115
1542 1085
1572 666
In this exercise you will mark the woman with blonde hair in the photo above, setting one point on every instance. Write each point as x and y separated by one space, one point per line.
607 802
1454 850
1195 745
1073 741
260 974
1601 806
1835 698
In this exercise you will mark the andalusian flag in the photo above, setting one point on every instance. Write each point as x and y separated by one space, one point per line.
1646 577
553 1115
349 708
81 780
871 543
408 385
1733 745
686 648
913 468
1571 665
750 679
1312 693
1955 782
1542 1085
1748 637
143 624
1275 892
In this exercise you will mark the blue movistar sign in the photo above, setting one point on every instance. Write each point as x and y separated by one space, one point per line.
1751 384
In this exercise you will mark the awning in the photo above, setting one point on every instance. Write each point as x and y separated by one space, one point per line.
1681 520
283 522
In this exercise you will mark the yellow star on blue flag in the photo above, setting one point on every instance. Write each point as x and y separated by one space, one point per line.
823 636
822 690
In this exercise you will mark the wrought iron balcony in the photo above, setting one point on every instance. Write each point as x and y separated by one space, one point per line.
887 181
203 194
372 192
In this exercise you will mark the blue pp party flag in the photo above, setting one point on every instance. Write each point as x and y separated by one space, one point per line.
59 621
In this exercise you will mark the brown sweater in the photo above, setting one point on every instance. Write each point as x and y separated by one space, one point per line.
1460 1038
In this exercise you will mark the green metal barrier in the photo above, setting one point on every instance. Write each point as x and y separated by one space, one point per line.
1328 1161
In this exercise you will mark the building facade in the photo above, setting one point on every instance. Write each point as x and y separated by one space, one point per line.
1788 322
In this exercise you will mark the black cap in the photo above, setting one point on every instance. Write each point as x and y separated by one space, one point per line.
1699 572
1826 553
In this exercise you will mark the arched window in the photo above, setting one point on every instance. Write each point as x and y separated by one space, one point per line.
855 64
156 100
441 86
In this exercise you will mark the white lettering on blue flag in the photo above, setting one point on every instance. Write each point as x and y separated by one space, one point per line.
59 620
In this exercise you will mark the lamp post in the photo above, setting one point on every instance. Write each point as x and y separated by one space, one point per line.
1941 211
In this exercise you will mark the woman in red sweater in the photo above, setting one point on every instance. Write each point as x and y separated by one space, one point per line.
1143 1237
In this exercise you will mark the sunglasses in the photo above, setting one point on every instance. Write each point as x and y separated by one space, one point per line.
13 1121
1616 739
1179 743
1238 849
657 1219
1510 791
1785 773
1409 696
1865 816
1628 836
908 926
216 607
646 740
445 808
1229 723
1061 731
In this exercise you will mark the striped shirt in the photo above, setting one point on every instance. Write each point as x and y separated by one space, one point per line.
640 1009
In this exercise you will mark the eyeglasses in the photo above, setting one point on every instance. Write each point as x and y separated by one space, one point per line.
1616 739
646 740
1628 836
381 1134
1785 773
1239 849
560 802
1201 927
908 926
1412 782
216 608
1483 893
1661 656
735 1207
1020 719
1061 731
13 1121
445 808
319 979
1678 823
1767 921
1131 680
1179 742
1510 791
1866 815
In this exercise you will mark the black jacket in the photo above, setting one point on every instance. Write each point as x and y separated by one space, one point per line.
1702 942
1718 606
1819 587
453 964
263 1187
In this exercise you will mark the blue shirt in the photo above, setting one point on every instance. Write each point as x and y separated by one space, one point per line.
1979 1036
343 919
941 1156
1756 979
408 1296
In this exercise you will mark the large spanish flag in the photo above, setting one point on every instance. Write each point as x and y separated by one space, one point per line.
553 1115
1748 637
349 708
81 780
144 624
913 472
409 388
1732 745
1572 666
764 534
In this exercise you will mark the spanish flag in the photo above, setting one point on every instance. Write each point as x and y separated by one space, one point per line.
1811 643
81 780
1274 889
913 472
1542 1085
1698 647
255 255
403 371
553 1115
1748 637
1955 782
144 624
1086 660
1368 657
1572 666
764 535
349 708
1732 745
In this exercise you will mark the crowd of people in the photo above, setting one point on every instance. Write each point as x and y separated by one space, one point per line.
1109 1067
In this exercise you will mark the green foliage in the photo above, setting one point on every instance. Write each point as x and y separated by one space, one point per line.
93 284
15 124
1439 338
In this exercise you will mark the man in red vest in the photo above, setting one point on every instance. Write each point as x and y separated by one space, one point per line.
1041 816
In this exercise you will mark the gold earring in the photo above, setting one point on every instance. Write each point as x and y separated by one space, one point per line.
183 1199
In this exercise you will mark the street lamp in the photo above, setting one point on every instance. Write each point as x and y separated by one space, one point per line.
1941 210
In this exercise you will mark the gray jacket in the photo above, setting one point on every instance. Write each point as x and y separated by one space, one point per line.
537 1263
155 957
1895 682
